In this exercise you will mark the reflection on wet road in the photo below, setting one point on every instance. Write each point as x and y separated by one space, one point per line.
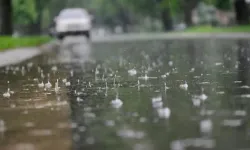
150 95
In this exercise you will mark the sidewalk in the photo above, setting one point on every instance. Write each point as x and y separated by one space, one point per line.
18 55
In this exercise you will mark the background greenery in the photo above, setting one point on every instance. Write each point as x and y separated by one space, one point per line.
11 42
34 16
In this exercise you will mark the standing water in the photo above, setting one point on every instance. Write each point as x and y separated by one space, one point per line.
152 95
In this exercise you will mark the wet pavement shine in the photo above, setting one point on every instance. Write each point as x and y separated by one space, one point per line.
137 95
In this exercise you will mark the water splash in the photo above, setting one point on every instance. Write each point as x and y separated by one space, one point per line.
116 103
7 94
184 86
132 72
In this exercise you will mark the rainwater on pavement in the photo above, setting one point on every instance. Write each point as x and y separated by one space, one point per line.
141 95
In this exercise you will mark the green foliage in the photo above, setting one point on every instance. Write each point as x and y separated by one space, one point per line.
223 4
144 6
24 11
220 4
209 29
11 42
107 12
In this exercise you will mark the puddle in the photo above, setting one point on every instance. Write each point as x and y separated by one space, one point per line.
163 95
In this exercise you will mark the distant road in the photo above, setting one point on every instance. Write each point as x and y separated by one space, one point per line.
166 36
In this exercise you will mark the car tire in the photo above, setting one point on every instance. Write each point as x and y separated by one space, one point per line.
60 36
87 34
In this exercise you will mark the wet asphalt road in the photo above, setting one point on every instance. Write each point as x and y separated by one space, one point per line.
150 95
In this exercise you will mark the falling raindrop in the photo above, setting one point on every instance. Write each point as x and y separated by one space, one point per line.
7 94
29 65
48 85
90 140
143 119
196 101
241 113
41 85
138 85
78 99
57 86
117 103
157 102
42 75
170 63
144 78
109 123
96 71
71 73
12 105
23 71
132 72
64 81
177 145
54 68
192 70
184 86
82 128
164 112
2 126
232 122
29 124
165 86
106 85
67 84
206 126
203 97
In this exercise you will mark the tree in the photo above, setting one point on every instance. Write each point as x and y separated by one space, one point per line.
122 13
241 9
162 9
241 12
220 4
24 14
167 19
40 6
223 4
29 14
6 17
188 7
112 12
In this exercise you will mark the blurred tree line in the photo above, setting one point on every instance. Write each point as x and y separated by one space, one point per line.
34 16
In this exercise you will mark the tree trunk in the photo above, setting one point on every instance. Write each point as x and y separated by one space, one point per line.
241 12
36 26
38 23
125 27
188 8
34 29
123 15
188 17
167 19
6 17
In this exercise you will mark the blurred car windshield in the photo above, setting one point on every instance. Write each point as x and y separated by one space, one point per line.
73 13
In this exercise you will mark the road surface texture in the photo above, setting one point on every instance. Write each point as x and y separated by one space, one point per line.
134 95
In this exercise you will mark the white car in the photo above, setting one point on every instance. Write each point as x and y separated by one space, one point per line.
73 21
